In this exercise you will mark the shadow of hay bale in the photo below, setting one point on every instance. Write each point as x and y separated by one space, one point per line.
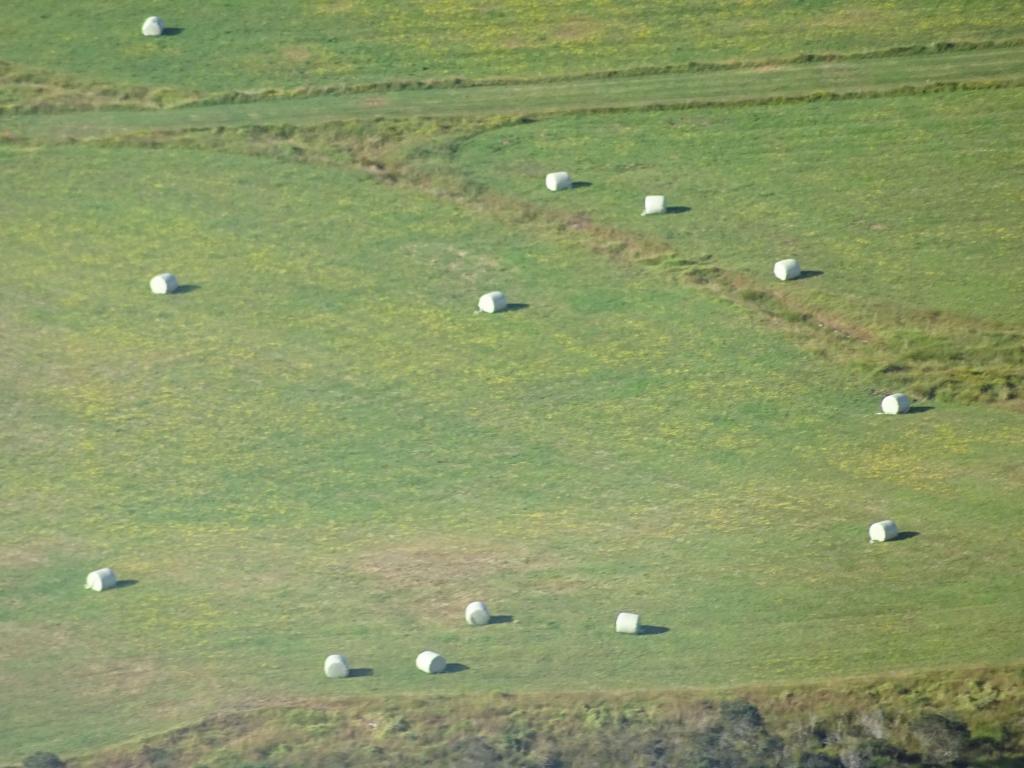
652 629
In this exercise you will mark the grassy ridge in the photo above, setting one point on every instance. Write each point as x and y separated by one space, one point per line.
228 46
322 448
770 182
980 68
888 723
860 191
29 89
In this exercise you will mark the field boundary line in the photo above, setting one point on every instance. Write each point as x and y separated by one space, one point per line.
141 122
145 98
806 98
691 67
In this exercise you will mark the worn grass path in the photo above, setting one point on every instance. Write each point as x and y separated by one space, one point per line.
866 76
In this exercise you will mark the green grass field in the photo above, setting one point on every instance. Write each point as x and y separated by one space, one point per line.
318 446
230 46
859 191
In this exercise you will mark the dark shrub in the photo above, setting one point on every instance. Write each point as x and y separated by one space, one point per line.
738 740
868 752
739 714
42 760
942 740
819 760
474 753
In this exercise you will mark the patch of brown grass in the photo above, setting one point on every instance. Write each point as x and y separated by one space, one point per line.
576 31
297 54
447 572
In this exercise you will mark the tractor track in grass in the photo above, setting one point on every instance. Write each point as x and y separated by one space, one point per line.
812 80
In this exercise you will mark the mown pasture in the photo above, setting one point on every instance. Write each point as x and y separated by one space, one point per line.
322 447
902 207
318 446
222 46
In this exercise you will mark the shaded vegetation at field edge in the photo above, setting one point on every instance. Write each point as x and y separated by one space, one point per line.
930 721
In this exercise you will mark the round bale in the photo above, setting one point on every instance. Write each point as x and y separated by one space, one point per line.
627 623
477 614
336 665
557 181
787 269
492 302
897 403
164 283
654 204
431 663
104 578
885 530
153 26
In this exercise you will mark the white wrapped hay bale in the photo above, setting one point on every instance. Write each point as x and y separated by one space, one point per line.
104 578
787 269
558 181
896 403
153 26
336 665
164 283
654 204
492 302
627 623
431 663
885 530
477 614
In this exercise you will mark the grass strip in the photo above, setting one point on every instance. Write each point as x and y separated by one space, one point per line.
986 68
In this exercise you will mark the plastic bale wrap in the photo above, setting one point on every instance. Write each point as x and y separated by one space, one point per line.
431 663
787 269
164 283
477 614
102 579
492 302
627 623
336 665
654 204
558 181
894 404
153 26
884 530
